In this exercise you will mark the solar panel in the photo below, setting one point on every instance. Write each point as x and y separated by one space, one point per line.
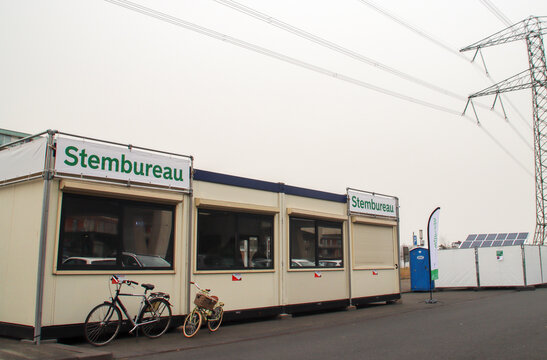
512 236
476 244
494 240
501 236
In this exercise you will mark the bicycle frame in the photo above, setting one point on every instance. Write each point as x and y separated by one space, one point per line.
144 302
206 313
207 308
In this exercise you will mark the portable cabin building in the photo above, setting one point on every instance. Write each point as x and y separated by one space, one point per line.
77 210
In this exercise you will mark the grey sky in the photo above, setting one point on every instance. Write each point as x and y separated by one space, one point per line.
96 69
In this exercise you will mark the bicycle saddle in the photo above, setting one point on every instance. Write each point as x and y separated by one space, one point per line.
148 286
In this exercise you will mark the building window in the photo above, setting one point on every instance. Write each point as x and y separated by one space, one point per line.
234 241
315 243
113 234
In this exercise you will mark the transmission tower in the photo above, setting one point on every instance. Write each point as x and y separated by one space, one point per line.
535 78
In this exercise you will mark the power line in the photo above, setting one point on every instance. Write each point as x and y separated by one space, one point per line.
450 49
243 44
494 10
355 55
413 29
330 45
500 145
214 34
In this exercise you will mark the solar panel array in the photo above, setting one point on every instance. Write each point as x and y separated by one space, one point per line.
490 240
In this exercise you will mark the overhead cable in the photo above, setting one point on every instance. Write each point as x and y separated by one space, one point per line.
450 49
330 45
355 55
500 145
413 28
494 10
243 44
214 34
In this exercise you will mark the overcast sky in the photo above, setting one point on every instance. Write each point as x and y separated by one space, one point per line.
96 69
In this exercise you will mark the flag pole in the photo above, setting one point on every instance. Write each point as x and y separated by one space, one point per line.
430 249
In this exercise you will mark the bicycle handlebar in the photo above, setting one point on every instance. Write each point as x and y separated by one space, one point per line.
199 288
117 281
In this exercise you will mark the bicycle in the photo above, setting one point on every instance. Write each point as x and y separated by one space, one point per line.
105 320
207 307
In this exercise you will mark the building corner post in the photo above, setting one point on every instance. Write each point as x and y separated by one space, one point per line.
47 176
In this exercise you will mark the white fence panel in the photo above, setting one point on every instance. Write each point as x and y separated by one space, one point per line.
533 265
457 268
543 254
501 266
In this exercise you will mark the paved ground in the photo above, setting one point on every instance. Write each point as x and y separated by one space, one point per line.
18 350
501 324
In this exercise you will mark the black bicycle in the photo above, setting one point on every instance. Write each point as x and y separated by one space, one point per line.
105 320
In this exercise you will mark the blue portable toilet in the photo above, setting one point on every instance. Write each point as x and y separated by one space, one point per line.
420 276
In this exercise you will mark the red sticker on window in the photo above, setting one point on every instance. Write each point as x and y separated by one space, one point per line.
236 277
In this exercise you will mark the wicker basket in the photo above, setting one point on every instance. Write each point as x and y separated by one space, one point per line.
204 301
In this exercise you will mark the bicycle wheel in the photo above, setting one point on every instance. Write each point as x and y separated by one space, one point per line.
102 324
214 321
157 317
192 323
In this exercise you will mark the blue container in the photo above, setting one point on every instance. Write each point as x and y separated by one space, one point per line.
420 276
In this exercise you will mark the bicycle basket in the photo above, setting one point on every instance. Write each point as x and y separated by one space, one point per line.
204 301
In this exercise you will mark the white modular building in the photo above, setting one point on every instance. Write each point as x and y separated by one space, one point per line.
77 210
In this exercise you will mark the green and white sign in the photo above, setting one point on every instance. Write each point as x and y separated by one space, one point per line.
433 236
365 203
84 158
499 255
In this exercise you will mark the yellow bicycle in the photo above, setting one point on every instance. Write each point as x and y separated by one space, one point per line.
207 308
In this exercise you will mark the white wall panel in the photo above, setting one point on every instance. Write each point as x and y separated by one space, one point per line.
505 270
457 268
543 255
533 265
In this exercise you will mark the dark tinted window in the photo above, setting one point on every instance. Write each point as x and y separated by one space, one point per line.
315 243
234 241
104 233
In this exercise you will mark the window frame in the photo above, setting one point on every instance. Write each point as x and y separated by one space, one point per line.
237 213
318 222
122 202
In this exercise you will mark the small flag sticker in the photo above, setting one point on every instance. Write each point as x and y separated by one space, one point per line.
236 277
374 272
318 274
116 279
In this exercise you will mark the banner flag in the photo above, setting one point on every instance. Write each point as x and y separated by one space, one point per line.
433 242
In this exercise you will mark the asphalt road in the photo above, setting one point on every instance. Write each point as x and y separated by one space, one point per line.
493 324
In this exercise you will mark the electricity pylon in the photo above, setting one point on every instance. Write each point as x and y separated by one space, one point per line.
530 30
